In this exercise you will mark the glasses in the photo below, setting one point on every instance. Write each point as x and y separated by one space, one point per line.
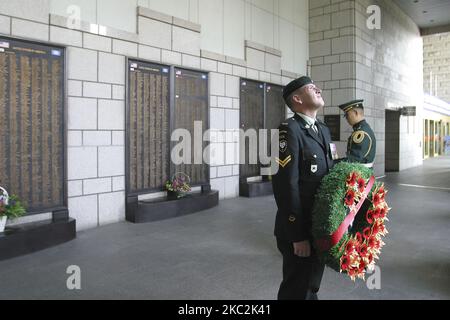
316 89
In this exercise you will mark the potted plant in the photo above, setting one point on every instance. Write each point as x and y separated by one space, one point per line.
178 186
10 207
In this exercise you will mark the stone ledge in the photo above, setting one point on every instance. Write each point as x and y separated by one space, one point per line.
60 21
162 208
254 45
273 51
236 61
255 189
263 48
155 15
186 24
213 55
26 238
289 74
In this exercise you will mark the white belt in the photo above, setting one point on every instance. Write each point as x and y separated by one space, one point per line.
368 165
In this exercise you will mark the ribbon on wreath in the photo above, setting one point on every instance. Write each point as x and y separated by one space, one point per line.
327 243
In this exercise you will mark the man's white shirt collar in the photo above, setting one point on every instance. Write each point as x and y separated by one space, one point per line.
310 121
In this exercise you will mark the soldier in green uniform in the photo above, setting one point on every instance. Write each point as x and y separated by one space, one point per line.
361 146
304 159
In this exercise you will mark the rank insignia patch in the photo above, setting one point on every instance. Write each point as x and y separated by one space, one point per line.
314 168
283 163
283 145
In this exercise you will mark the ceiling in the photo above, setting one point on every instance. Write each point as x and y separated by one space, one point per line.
427 14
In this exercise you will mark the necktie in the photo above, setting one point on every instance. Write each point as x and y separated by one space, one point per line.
314 127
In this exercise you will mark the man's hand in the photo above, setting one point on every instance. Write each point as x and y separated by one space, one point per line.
302 249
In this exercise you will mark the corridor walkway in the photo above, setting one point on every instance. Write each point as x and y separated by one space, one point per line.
229 253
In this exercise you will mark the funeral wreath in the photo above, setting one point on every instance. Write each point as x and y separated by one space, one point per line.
348 222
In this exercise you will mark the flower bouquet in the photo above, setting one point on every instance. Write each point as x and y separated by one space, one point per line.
178 186
10 207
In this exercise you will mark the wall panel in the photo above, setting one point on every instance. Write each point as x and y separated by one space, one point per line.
191 105
148 126
32 162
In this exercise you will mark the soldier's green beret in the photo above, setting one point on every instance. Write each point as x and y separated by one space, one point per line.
294 85
352 104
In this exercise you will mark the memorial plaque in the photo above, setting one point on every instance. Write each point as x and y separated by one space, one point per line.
333 123
275 106
148 126
275 110
191 105
32 116
251 117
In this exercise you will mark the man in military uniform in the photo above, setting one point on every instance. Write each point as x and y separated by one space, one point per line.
304 158
361 145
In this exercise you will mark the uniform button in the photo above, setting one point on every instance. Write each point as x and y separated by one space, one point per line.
315 156
291 219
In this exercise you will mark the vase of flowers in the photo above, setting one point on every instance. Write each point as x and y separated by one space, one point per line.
178 186
10 207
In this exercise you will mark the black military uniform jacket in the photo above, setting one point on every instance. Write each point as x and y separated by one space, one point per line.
361 146
304 159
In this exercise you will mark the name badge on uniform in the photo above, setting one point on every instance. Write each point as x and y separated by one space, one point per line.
334 153
314 168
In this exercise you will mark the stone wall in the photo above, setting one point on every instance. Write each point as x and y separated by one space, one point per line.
381 66
436 64
96 75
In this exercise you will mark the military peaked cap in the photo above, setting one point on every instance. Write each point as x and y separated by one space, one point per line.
352 104
294 85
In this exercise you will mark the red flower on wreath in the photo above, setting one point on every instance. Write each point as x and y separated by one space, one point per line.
345 263
376 213
351 180
383 212
363 250
376 228
372 242
361 184
376 200
370 216
362 267
370 258
382 192
381 228
367 232
353 272
350 247
358 237
350 198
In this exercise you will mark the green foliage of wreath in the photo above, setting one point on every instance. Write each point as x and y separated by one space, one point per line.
329 210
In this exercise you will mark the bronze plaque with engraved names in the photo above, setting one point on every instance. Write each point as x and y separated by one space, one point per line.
148 126
32 123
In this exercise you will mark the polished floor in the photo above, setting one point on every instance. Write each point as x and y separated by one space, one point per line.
229 252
